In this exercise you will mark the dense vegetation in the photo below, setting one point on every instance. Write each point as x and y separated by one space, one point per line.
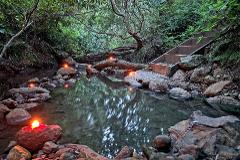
96 26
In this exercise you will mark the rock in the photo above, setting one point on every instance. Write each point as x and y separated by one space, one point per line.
81 151
225 100
179 75
190 150
34 139
215 88
28 91
142 78
66 71
19 98
41 97
186 157
239 96
152 154
70 61
205 133
10 103
4 109
19 153
68 156
179 94
17 116
49 147
161 86
190 62
34 80
49 86
125 153
199 73
199 118
29 106
162 143
209 79
225 152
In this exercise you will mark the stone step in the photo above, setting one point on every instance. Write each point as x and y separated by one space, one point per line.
163 68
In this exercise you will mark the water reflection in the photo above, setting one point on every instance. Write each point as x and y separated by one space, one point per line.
107 119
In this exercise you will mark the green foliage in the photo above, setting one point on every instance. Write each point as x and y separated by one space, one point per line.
81 26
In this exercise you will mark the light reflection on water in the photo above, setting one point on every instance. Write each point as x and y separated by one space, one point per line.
107 119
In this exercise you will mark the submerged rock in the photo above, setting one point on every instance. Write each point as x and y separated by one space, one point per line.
215 88
19 153
34 139
179 94
17 116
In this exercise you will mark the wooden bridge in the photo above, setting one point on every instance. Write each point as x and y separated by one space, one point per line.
167 63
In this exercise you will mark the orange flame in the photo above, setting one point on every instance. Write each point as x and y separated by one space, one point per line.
66 85
31 85
131 73
35 124
65 65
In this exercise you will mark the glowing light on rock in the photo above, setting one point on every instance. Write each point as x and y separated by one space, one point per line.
35 124
65 65
131 73
66 85
31 85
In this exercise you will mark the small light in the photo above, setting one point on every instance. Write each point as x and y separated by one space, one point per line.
65 65
111 58
31 85
130 89
66 85
131 73
35 124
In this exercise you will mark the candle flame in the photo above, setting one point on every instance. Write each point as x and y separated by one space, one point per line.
35 124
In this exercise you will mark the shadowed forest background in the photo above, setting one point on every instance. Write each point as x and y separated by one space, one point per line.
138 30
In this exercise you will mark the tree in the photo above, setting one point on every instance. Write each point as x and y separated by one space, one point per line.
29 19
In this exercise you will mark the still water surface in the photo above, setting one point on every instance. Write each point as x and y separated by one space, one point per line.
106 119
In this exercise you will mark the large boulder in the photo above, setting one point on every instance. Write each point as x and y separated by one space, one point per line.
179 94
17 116
19 153
206 133
215 88
191 61
34 139
153 80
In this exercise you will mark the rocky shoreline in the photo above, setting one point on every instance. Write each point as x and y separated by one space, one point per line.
196 138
